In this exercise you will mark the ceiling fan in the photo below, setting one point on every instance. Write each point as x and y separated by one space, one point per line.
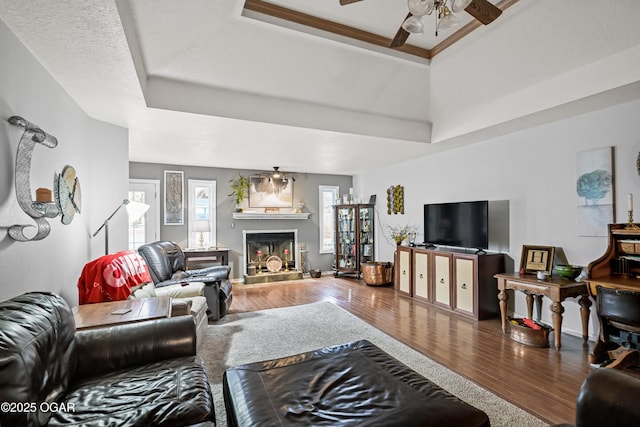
482 10
277 174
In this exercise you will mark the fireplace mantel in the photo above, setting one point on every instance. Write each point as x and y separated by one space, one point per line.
271 215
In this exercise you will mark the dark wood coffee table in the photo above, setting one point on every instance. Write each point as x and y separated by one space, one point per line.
102 314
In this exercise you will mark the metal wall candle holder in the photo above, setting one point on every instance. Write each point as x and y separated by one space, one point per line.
39 211
66 185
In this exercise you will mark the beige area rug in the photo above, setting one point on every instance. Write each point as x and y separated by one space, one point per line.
268 334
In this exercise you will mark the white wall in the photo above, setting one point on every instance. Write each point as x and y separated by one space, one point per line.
535 170
99 153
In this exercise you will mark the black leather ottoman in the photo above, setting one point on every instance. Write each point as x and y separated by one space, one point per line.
346 385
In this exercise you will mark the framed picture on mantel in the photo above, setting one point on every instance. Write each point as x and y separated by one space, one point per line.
537 258
265 192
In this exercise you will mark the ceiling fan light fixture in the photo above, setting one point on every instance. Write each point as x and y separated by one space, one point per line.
484 11
420 7
459 5
446 19
413 24
276 175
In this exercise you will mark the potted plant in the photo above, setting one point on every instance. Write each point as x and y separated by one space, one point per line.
399 233
240 190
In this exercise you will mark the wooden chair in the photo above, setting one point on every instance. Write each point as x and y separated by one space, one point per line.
619 317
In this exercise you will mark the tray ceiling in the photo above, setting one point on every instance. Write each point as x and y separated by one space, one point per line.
199 82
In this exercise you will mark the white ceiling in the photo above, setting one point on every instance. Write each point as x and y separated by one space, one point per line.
198 83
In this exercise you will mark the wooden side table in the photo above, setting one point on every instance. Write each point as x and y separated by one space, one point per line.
102 314
194 257
557 288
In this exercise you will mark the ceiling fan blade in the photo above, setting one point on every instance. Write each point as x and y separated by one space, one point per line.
401 36
483 11
346 2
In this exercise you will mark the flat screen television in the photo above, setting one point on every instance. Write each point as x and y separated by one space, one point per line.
459 224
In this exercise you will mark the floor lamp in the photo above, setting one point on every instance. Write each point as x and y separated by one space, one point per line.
135 211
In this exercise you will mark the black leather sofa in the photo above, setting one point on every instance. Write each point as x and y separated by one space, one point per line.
136 374
608 397
167 266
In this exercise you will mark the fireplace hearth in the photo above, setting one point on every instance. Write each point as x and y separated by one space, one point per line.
262 246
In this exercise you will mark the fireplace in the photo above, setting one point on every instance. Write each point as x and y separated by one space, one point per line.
282 243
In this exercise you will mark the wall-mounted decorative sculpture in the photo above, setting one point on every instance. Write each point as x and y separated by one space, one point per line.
66 185
68 195
395 199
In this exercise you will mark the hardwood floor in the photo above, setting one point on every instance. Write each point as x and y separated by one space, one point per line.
543 381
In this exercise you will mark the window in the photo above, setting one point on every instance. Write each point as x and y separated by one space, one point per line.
328 197
202 214
146 228
138 227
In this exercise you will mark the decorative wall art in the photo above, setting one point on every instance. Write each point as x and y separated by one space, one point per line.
173 198
68 194
595 191
67 200
265 192
395 199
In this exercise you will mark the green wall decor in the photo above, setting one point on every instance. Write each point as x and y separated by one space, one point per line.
395 200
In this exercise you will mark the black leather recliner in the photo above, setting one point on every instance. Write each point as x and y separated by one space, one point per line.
608 397
134 374
167 266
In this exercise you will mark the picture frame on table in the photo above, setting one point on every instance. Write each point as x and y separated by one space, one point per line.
537 258
173 197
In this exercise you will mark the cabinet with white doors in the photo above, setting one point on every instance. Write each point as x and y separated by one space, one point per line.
457 281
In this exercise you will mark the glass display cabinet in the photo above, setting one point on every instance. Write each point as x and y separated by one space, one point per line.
354 238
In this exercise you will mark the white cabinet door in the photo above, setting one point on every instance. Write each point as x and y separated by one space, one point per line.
464 284
442 279
421 275
404 271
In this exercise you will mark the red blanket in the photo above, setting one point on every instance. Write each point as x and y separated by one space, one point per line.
110 277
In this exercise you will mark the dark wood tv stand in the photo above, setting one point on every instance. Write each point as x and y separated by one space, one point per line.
456 280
